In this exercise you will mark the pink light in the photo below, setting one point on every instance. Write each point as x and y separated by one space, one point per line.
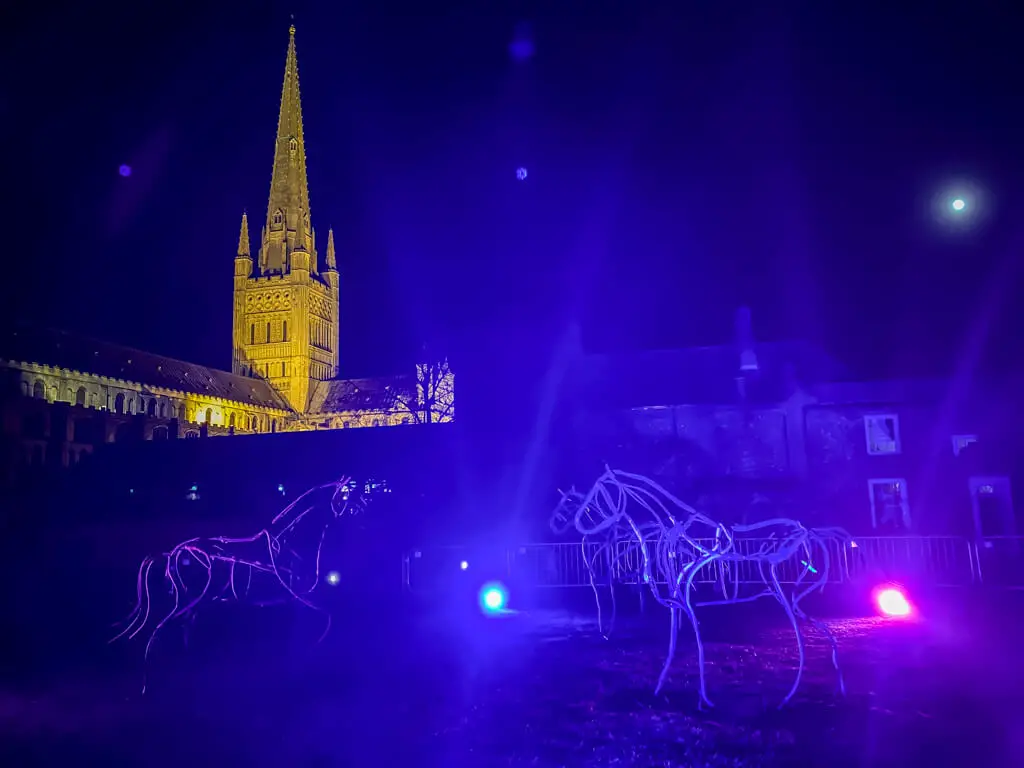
892 602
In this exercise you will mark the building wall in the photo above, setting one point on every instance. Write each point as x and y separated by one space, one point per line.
813 458
53 417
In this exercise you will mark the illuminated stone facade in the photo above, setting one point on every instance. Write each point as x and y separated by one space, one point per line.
285 353
286 302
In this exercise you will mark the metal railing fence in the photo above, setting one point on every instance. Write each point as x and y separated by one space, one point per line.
934 560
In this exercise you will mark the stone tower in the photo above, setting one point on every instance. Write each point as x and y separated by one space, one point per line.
286 306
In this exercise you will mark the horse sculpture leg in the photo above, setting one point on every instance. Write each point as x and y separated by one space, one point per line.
672 637
785 603
692 613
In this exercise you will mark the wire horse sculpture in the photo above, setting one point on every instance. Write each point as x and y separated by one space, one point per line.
227 565
632 519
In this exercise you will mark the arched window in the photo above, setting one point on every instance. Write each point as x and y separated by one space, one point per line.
252 333
119 403
163 409
80 396
284 330
268 333
131 405
273 425
231 420
293 145
278 218
38 390
24 389
209 416
151 410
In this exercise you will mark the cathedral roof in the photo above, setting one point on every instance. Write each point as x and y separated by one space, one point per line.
343 395
62 349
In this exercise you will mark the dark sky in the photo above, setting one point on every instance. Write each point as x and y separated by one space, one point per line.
682 160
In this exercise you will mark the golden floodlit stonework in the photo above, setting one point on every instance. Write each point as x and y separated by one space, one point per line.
285 355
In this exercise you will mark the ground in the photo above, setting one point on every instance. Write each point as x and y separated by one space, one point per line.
539 688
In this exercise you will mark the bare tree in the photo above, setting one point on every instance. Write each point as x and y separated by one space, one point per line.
432 399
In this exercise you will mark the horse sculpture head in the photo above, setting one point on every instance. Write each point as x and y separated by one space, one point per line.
576 511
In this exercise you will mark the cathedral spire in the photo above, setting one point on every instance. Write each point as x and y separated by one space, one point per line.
243 237
332 262
288 224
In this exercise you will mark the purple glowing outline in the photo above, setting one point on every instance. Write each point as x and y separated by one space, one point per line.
217 549
678 558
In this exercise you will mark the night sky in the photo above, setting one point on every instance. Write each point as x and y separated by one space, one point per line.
681 161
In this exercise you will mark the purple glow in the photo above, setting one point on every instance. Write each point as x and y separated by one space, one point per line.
522 47
521 174
893 603
125 170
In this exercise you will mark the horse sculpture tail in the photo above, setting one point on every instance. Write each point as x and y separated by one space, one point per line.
137 619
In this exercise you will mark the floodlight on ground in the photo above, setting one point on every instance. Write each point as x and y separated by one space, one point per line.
493 598
892 602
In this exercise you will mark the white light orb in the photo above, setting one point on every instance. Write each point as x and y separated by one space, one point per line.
958 204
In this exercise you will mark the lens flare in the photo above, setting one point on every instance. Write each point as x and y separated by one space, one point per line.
892 602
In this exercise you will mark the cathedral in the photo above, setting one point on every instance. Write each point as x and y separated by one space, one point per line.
65 393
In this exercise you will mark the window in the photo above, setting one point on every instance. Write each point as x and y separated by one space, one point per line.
273 425
252 333
209 416
119 403
890 512
231 420
80 396
346 425
960 442
293 145
882 432
284 330
278 218
151 408
38 390
268 333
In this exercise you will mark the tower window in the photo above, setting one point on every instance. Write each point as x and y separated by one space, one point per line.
293 145
278 218
284 331
268 333
252 333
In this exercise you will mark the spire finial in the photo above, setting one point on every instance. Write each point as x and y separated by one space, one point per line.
243 237
332 261
291 29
